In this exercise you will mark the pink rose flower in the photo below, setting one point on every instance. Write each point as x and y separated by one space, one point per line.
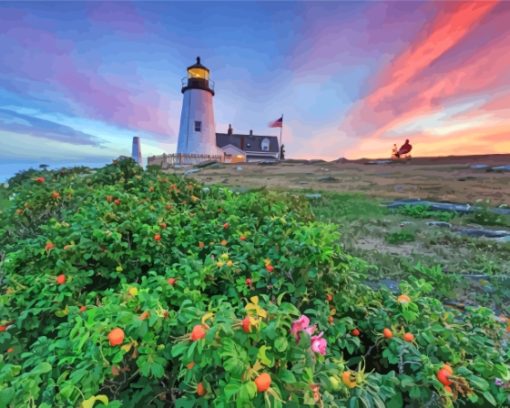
299 325
311 330
319 344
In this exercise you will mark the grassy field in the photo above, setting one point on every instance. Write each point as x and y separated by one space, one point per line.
400 245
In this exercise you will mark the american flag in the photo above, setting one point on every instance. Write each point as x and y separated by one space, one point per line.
277 123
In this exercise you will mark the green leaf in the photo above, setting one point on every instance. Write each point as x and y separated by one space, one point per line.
41 368
264 359
489 397
92 400
479 383
281 344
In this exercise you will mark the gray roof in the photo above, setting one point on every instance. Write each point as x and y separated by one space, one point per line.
255 142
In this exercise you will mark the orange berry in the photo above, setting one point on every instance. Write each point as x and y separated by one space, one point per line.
144 316
157 237
55 195
387 333
10 350
61 279
198 332
171 281
163 225
355 332
190 365
40 179
448 389
200 389
117 202
347 379
329 297
226 225
269 268
116 337
49 246
246 325
331 319
3 328
242 238
83 308
403 299
201 245
442 375
263 381
448 368
409 337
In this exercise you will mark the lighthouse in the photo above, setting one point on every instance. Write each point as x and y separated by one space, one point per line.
197 131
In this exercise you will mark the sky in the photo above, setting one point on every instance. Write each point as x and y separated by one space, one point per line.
79 79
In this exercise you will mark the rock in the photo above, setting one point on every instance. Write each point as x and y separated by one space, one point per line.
379 162
191 171
483 232
501 168
504 240
440 224
405 223
239 168
267 163
479 166
445 206
206 164
314 196
206 189
390 284
466 178
327 179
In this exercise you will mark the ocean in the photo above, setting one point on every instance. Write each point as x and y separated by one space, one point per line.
7 170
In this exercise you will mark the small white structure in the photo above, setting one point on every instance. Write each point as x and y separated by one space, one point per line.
136 152
197 131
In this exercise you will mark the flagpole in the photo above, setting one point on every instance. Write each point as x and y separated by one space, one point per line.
281 131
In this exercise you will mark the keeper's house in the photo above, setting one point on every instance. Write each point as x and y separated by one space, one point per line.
247 148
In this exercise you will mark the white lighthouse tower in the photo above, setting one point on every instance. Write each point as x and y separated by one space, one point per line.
197 132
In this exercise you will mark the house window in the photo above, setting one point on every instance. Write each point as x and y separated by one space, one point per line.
248 145
265 144
198 126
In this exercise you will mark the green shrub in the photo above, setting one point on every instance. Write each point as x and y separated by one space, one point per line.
400 237
423 211
210 288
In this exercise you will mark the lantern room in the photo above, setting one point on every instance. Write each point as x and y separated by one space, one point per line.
198 78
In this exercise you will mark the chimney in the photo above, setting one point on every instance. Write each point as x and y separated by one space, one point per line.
251 132
230 130
136 152
242 143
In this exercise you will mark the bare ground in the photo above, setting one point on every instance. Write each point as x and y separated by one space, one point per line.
445 179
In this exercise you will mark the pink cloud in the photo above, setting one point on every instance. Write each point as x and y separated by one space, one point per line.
40 56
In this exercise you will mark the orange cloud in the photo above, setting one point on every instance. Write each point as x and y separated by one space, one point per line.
447 30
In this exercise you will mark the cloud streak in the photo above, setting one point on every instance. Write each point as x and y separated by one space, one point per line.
11 121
